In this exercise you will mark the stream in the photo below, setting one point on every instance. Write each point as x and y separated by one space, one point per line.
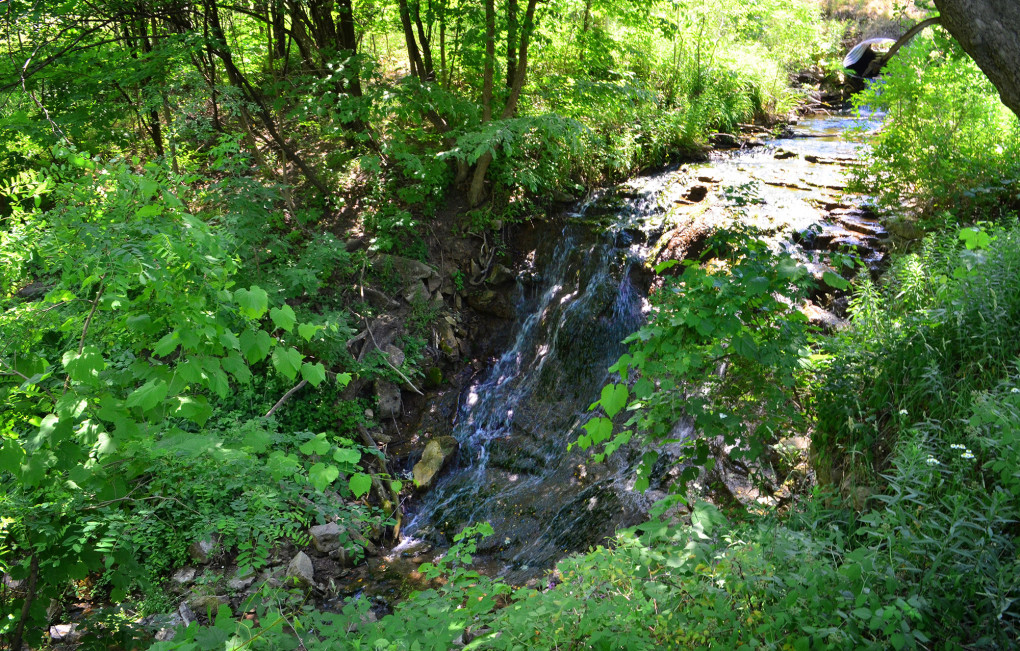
514 422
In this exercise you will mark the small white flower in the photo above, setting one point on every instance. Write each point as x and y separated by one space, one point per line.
967 455
903 412
932 461
1014 390
957 446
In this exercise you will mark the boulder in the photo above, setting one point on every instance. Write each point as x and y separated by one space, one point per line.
201 550
435 456
301 570
724 141
388 396
402 267
182 578
491 302
416 291
501 275
395 355
207 603
326 537
240 583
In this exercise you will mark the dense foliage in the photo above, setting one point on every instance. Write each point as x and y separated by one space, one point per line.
179 185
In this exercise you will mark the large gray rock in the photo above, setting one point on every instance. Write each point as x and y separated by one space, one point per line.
435 456
201 550
182 578
402 267
491 302
326 537
416 291
388 395
203 603
300 569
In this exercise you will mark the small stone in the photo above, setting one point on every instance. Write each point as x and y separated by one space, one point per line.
187 614
783 154
301 570
325 537
501 275
402 267
201 550
435 281
369 414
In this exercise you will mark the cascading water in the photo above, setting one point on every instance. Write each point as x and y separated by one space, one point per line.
513 468
513 426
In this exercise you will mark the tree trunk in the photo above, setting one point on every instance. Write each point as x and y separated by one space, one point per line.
218 45
490 56
477 189
423 40
511 42
989 31
413 56
348 41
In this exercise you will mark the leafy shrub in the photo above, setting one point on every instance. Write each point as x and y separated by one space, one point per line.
947 141
918 348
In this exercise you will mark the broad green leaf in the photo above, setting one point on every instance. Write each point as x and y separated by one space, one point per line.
347 455
314 373
287 361
85 366
148 395
255 345
614 398
308 330
252 302
599 430
343 379
322 475
835 281
318 445
283 317
360 484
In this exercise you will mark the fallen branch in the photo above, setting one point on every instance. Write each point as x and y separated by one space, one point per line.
285 397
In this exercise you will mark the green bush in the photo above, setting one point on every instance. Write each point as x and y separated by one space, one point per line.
947 141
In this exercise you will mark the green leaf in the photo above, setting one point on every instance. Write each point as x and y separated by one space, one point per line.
283 317
195 408
599 430
308 330
314 373
614 398
252 302
835 281
318 445
255 345
148 395
287 361
84 366
322 475
360 484
347 455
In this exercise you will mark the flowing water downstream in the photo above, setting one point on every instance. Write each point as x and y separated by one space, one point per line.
515 421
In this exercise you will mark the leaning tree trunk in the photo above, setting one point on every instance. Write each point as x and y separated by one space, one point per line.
989 31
